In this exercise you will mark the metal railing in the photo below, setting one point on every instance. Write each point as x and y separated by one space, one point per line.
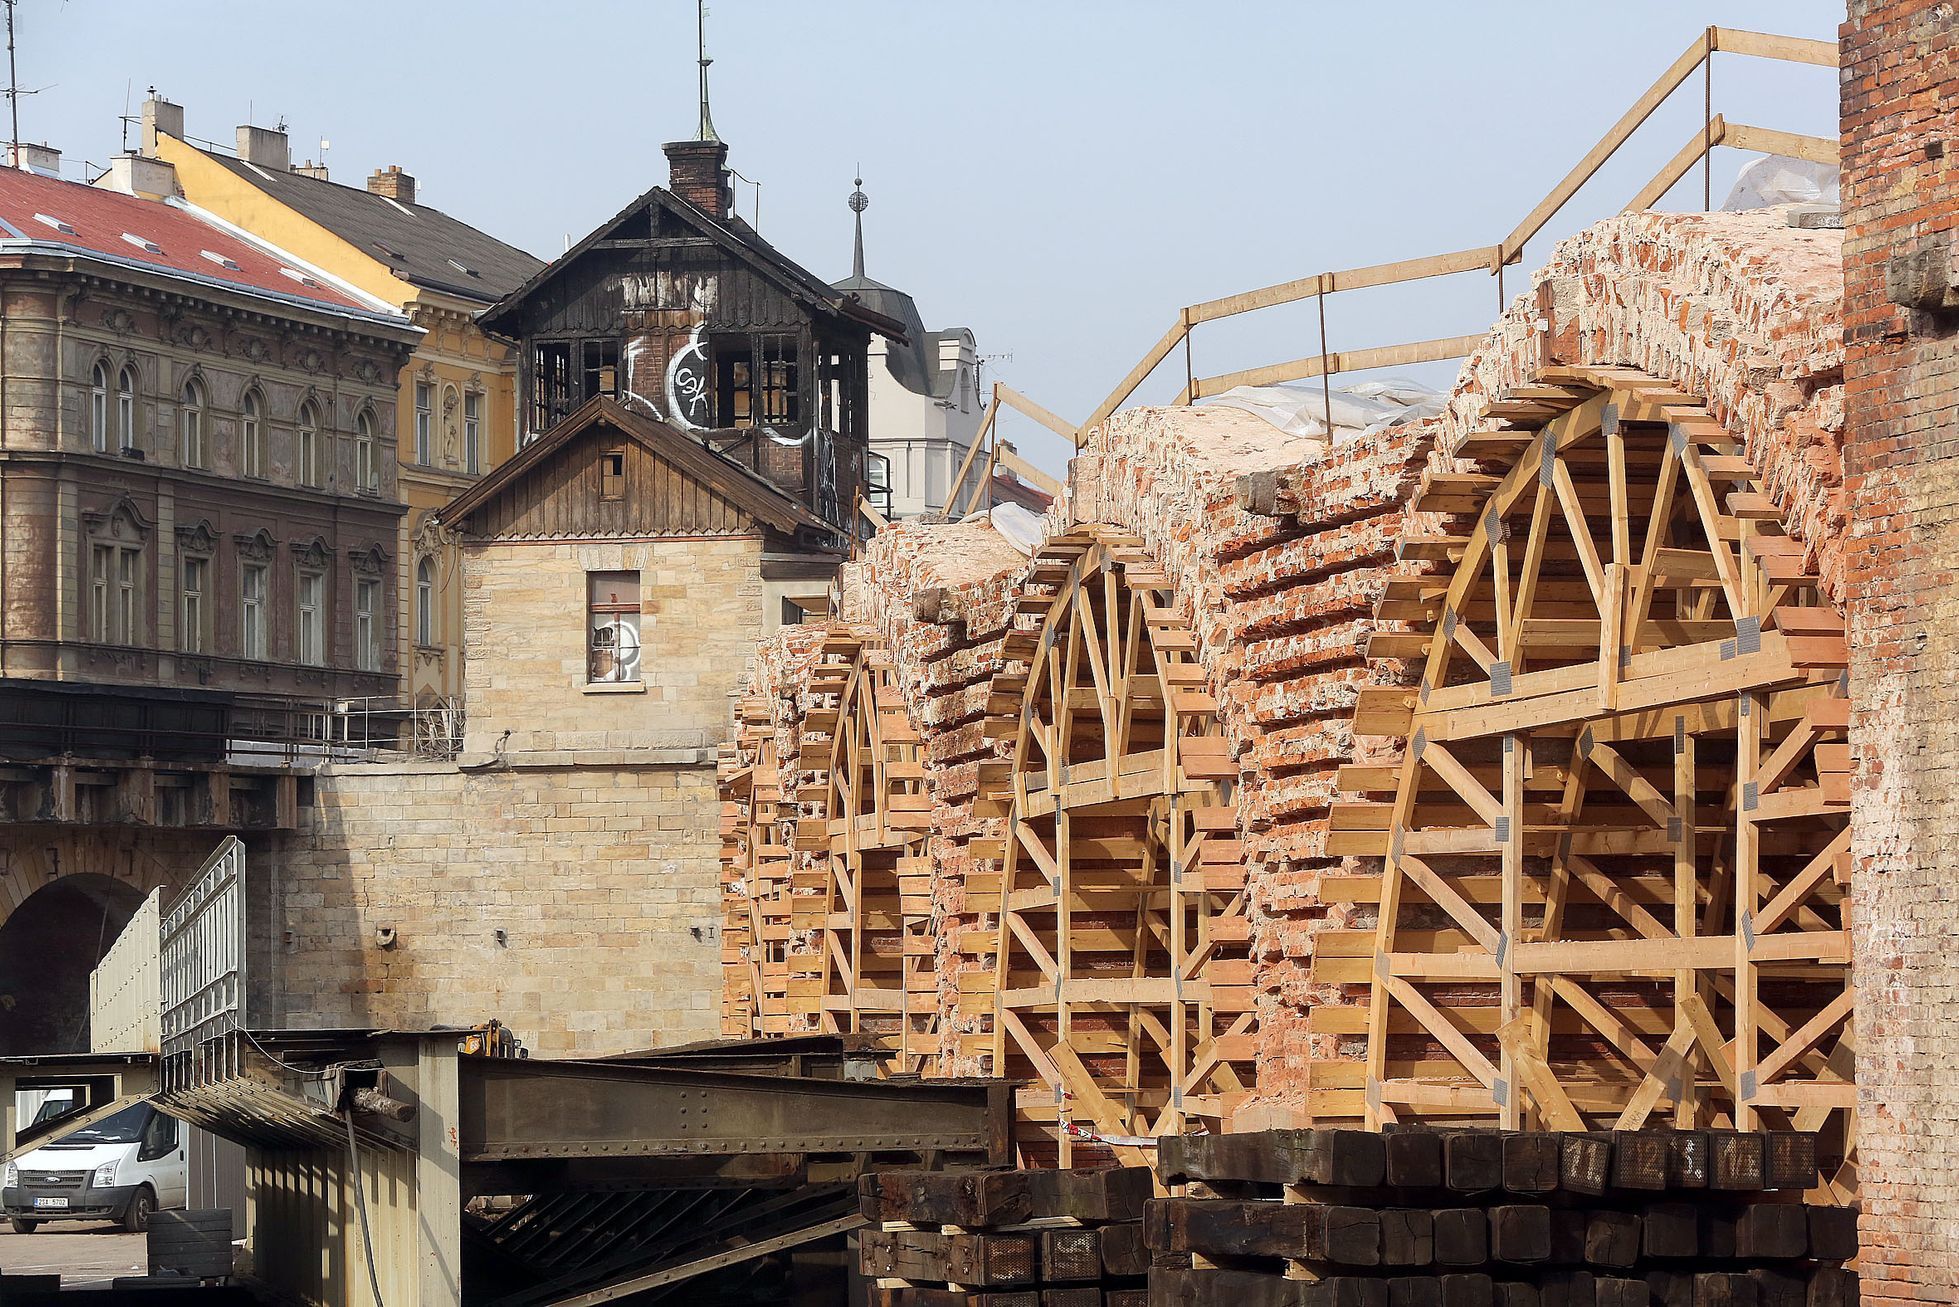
382 724
1715 132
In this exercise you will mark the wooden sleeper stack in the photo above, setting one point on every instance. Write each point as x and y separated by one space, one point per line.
1423 1217
1005 1238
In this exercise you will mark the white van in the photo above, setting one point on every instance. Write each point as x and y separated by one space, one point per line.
121 1168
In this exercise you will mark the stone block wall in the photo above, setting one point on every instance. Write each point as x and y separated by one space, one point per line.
524 607
578 905
1900 123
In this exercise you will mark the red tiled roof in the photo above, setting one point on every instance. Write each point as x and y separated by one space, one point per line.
177 241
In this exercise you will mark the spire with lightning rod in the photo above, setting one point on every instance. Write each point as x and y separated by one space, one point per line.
706 131
858 203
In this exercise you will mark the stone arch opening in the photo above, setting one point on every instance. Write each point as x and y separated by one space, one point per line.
48 946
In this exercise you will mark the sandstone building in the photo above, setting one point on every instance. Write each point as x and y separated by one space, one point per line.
199 549
455 413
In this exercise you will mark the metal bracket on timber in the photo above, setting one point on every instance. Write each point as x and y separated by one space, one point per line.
866 825
1614 854
1121 986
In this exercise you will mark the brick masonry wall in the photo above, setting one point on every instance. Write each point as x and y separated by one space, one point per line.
1900 118
604 881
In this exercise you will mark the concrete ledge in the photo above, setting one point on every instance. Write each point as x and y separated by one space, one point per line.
484 764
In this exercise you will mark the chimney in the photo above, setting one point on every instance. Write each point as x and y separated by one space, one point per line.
392 182
147 179
317 171
697 172
266 147
41 160
160 118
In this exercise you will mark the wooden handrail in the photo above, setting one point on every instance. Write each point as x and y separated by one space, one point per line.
1493 258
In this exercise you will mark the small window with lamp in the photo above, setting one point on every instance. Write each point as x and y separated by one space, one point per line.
612 628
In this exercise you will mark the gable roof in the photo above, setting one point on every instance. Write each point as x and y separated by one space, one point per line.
734 236
740 486
160 236
418 244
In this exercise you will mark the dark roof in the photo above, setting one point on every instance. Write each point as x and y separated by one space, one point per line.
158 236
914 362
732 234
748 491
422 245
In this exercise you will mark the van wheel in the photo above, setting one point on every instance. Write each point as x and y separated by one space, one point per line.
137 1218
24 1227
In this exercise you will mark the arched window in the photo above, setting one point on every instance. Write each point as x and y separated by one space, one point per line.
251 437
425 601
98 408
367 470
126 407
190 426
307 456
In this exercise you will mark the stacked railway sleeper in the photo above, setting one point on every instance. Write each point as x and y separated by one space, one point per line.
1614 852
1120 984
1427 1217
1051 1238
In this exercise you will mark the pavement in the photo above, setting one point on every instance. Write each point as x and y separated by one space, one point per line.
83 1253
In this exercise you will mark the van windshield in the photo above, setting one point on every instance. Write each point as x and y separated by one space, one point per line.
125 1127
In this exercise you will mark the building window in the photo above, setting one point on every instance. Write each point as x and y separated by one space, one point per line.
251 438
755 381
192 633
367 469
114 574
126 407
367 629
251 609
612 473
550 384
424 422
311 618
308 453
473 432
600 371
612 608
98 408
425 601
190 429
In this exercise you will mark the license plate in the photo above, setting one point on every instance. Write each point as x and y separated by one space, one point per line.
46 1203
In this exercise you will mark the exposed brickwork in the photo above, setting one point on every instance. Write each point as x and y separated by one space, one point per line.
1280 546
1901 206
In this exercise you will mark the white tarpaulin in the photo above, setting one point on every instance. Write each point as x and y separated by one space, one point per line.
1778 179
1365 407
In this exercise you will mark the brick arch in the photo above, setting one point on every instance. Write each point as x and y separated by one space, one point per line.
1740 310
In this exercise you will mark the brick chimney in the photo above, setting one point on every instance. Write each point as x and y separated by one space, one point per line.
697 171
392 182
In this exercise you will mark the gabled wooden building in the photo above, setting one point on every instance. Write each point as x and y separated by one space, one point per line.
678 310
614 555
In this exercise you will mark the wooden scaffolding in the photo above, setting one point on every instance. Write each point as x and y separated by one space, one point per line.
756 893
1615 851
1121 985
867 823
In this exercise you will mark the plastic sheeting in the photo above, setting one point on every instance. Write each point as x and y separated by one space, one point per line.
1020 527
1779 179
1364 407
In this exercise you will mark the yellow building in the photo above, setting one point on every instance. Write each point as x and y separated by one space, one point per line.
457 417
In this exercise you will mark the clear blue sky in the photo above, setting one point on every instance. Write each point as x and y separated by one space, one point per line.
1059 175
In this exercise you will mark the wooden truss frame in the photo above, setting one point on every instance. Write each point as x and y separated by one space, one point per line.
756 895
867 821
1616 846
1120 981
